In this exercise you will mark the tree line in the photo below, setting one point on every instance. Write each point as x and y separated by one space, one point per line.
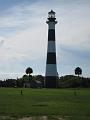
68 81
38 81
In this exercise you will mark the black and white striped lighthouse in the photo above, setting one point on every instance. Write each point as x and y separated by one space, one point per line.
51 66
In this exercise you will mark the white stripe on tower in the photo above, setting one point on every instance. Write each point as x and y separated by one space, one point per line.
51 67
51 47
51 70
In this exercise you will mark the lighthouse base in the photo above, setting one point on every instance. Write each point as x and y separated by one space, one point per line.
51 81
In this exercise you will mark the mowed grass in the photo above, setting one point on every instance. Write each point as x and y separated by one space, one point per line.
64 103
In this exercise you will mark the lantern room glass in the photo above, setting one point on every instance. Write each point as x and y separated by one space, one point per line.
51 14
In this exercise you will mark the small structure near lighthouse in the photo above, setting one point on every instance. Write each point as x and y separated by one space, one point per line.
51 64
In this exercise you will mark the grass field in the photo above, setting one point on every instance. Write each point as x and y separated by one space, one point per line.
54 103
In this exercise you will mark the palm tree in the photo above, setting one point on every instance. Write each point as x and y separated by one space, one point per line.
78 71
29 71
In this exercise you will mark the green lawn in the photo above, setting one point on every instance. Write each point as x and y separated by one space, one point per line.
54 103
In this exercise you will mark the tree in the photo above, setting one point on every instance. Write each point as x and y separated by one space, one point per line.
29 71
78 71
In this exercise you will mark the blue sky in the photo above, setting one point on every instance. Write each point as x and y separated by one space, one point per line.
23 36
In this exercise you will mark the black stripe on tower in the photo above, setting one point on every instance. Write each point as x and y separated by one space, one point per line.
51 34
51 82
51 58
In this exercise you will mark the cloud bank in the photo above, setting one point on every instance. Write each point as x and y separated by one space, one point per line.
23 36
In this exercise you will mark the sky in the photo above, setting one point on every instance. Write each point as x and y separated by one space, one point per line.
24 36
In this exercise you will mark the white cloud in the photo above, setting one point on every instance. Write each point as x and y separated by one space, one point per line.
27 43
1 41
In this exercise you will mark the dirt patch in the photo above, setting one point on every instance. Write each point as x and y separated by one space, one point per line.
32 118
42 118
35 118
61 119
26 118
6 118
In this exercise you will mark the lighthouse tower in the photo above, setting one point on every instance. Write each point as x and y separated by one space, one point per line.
51 66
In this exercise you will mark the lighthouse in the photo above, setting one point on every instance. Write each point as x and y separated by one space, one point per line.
51 64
